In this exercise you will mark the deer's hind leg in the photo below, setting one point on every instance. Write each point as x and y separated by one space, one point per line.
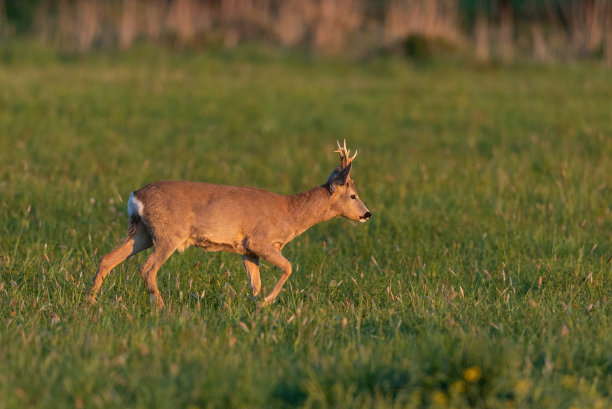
251 265
138 239
149 269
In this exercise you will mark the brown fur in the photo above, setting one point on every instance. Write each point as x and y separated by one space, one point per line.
244 220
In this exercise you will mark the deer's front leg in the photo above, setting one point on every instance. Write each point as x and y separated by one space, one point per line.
251 265
274 256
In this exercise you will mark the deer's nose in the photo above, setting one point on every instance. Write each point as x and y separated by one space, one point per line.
365 217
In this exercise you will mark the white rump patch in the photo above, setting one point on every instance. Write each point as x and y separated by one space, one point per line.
134 206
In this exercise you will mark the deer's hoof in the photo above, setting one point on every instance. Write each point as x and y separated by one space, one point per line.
265 302
157 302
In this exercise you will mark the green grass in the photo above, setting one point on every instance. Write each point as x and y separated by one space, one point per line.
482 280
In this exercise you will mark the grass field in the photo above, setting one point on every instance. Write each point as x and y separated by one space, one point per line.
482 280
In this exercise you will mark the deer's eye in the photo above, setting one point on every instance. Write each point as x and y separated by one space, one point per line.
353 197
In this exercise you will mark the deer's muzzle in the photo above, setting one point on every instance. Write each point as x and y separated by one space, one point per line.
365 217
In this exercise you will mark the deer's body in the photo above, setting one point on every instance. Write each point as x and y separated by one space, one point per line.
235 216
174 215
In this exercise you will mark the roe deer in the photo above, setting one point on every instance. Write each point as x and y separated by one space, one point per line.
174 215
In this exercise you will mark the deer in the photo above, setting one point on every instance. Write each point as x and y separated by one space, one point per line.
174 215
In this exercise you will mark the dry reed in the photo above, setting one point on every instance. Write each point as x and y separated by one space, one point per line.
432 19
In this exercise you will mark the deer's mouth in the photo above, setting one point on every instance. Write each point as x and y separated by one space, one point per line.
365 217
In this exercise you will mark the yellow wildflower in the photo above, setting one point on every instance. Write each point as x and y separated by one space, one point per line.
472 374
568 381
458 387
523 387
438 397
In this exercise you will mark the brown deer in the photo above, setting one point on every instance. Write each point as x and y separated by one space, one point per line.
174 215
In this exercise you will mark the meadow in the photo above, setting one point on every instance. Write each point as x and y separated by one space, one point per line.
482 280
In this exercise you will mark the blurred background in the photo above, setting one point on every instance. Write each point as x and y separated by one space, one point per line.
482 30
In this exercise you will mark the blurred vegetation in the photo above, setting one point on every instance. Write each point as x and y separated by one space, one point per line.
484 30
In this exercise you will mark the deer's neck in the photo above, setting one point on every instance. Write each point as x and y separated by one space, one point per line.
309 208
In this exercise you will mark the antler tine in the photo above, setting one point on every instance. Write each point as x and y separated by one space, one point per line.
341 149
345 158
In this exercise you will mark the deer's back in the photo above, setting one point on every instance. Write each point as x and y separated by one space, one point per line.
209 215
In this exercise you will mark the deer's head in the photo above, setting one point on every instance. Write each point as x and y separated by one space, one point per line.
344 198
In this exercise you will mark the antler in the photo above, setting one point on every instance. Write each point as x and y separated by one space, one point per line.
345 159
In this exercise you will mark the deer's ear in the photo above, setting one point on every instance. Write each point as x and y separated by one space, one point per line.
338 178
